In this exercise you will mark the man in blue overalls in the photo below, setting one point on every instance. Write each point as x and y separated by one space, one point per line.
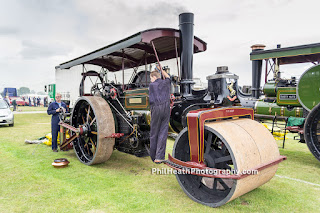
54 109
159 97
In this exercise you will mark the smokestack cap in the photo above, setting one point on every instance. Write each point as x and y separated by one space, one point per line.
222 69
186 18
222 72
258 47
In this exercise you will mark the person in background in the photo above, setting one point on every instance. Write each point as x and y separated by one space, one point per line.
45 101
54 109
38 101
159 97
29 101
14 104
34 102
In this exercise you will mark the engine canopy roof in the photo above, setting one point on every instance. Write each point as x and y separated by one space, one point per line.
136 50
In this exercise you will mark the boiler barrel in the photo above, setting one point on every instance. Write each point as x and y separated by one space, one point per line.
266 108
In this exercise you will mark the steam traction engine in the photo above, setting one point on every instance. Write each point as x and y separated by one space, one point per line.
213 134
295 100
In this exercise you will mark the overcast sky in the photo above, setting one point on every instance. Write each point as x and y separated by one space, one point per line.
37 35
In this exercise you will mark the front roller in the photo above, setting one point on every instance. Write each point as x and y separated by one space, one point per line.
93 116
240 145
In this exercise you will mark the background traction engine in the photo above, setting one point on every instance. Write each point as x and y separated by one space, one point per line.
295 100
214 137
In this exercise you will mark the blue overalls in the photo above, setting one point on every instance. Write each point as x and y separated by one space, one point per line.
159 97
55 121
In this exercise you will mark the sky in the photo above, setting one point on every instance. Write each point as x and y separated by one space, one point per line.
37 35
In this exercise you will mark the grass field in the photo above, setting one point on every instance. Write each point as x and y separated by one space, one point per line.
30 108
124 183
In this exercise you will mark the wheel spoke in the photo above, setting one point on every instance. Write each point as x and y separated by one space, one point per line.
224 148
83 154
94 147
86 145
93 121
91 80
88 113
225 186
215 183
222 159
95 83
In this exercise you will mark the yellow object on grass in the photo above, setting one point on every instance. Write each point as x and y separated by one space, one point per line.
276 135
49 138
47 142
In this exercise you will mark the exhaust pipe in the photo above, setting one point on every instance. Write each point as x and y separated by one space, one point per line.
256 72
186 56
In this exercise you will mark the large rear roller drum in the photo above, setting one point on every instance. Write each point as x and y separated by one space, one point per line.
308 88
312 131
239 145
95 116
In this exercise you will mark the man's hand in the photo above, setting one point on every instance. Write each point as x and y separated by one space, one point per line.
61 109
164 73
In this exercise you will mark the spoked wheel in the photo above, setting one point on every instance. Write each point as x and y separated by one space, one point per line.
95 117
236 145
312 131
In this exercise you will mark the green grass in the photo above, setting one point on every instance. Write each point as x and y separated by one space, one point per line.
30 108
124 183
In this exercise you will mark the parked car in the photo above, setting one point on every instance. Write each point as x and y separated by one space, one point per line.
20 101
6 115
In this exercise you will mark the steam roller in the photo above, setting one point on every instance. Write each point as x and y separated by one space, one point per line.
223 154
220 152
